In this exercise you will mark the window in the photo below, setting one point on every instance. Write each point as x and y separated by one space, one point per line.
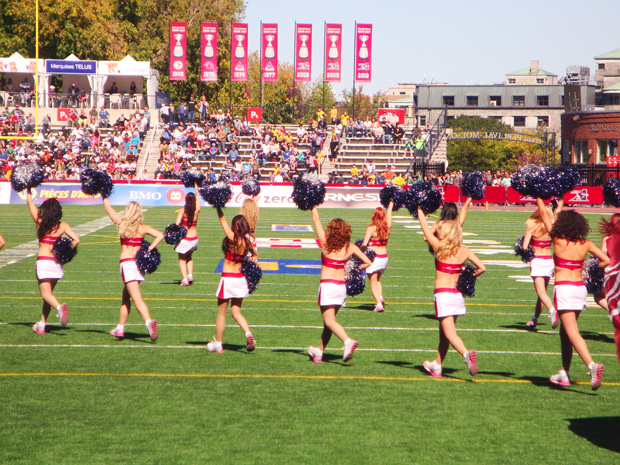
543 122
519 122
422 120
601 66
542 100
448 100
581 151
495 100
472 100
540 80
607 148
512 81
518 100
564 151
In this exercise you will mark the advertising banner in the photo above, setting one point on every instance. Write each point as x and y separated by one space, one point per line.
363 52
303 52
333 55
178 45
492 194
269 53
239 53
70 67
208 51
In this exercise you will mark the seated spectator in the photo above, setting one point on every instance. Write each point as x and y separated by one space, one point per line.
380 179
233 154
354 170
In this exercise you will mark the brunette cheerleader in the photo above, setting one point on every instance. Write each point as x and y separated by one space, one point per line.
188 217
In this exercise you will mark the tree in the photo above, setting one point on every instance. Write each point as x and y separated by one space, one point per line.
362 106
470 155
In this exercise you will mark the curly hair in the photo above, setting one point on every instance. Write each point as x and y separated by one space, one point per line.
535 220
611 226
337 235
449 211
50 213
249 209
570 225
451 237
241 231
131 220
380 223
190 207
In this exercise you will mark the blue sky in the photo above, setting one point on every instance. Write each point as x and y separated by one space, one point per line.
458 42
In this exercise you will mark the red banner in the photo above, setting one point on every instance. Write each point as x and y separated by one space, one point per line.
269 53
333 48
208 51
255 114
303 52
492 194
400 112
178 45
239 53
363 49
449 193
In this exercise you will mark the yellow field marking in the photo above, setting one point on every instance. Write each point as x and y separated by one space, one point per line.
288 376
185 299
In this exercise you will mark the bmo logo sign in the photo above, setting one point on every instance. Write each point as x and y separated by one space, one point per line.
255 115
175 195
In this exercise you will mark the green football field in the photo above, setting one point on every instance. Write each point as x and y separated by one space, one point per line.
78 396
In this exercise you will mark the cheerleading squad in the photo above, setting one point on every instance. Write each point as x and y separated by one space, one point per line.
343 262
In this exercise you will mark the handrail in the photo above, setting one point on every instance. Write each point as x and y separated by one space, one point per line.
148 152
436 134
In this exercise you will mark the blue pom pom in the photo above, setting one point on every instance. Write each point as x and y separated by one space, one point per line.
26 175
466 284
96 182
191 177
368 251
174 233
568 177
217 194
392 193
252 273
473 185
146 261
250 187
545 181
355 282
308 192
62 250
526 255
592 275
611 192
424 195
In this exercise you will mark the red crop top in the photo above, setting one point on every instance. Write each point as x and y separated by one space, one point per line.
541 244
132 241
449 268
331 263
194 223
378 243
568 264
233 257
48 239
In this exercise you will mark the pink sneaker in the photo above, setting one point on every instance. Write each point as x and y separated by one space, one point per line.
185 282
153 330
596 376
555 318
379 308
62 314
349 347
560 379
316 354
190 278
433 368
118 332
531 324
215 346
470 359
251 343
39 327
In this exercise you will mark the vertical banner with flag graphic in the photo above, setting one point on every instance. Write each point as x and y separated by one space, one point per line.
178 45
269 52
208 51
333 49
363 52
303 52
239 53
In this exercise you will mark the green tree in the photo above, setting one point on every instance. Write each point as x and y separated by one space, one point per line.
469 155
361 105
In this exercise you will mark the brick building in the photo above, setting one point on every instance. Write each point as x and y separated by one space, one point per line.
590 137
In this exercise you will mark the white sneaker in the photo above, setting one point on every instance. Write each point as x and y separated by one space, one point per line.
379 308
62 314
561 378
349 347
555 319
118 332
185 282
39 327
152 327
433 368
316 354
215 346
190 278
472 364
596 375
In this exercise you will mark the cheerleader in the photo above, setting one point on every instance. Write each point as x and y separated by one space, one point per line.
377 235
188 217
611 229
449 211
337 249
233 286
450 256
249 209
541 266
49 228
570 247
131 231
